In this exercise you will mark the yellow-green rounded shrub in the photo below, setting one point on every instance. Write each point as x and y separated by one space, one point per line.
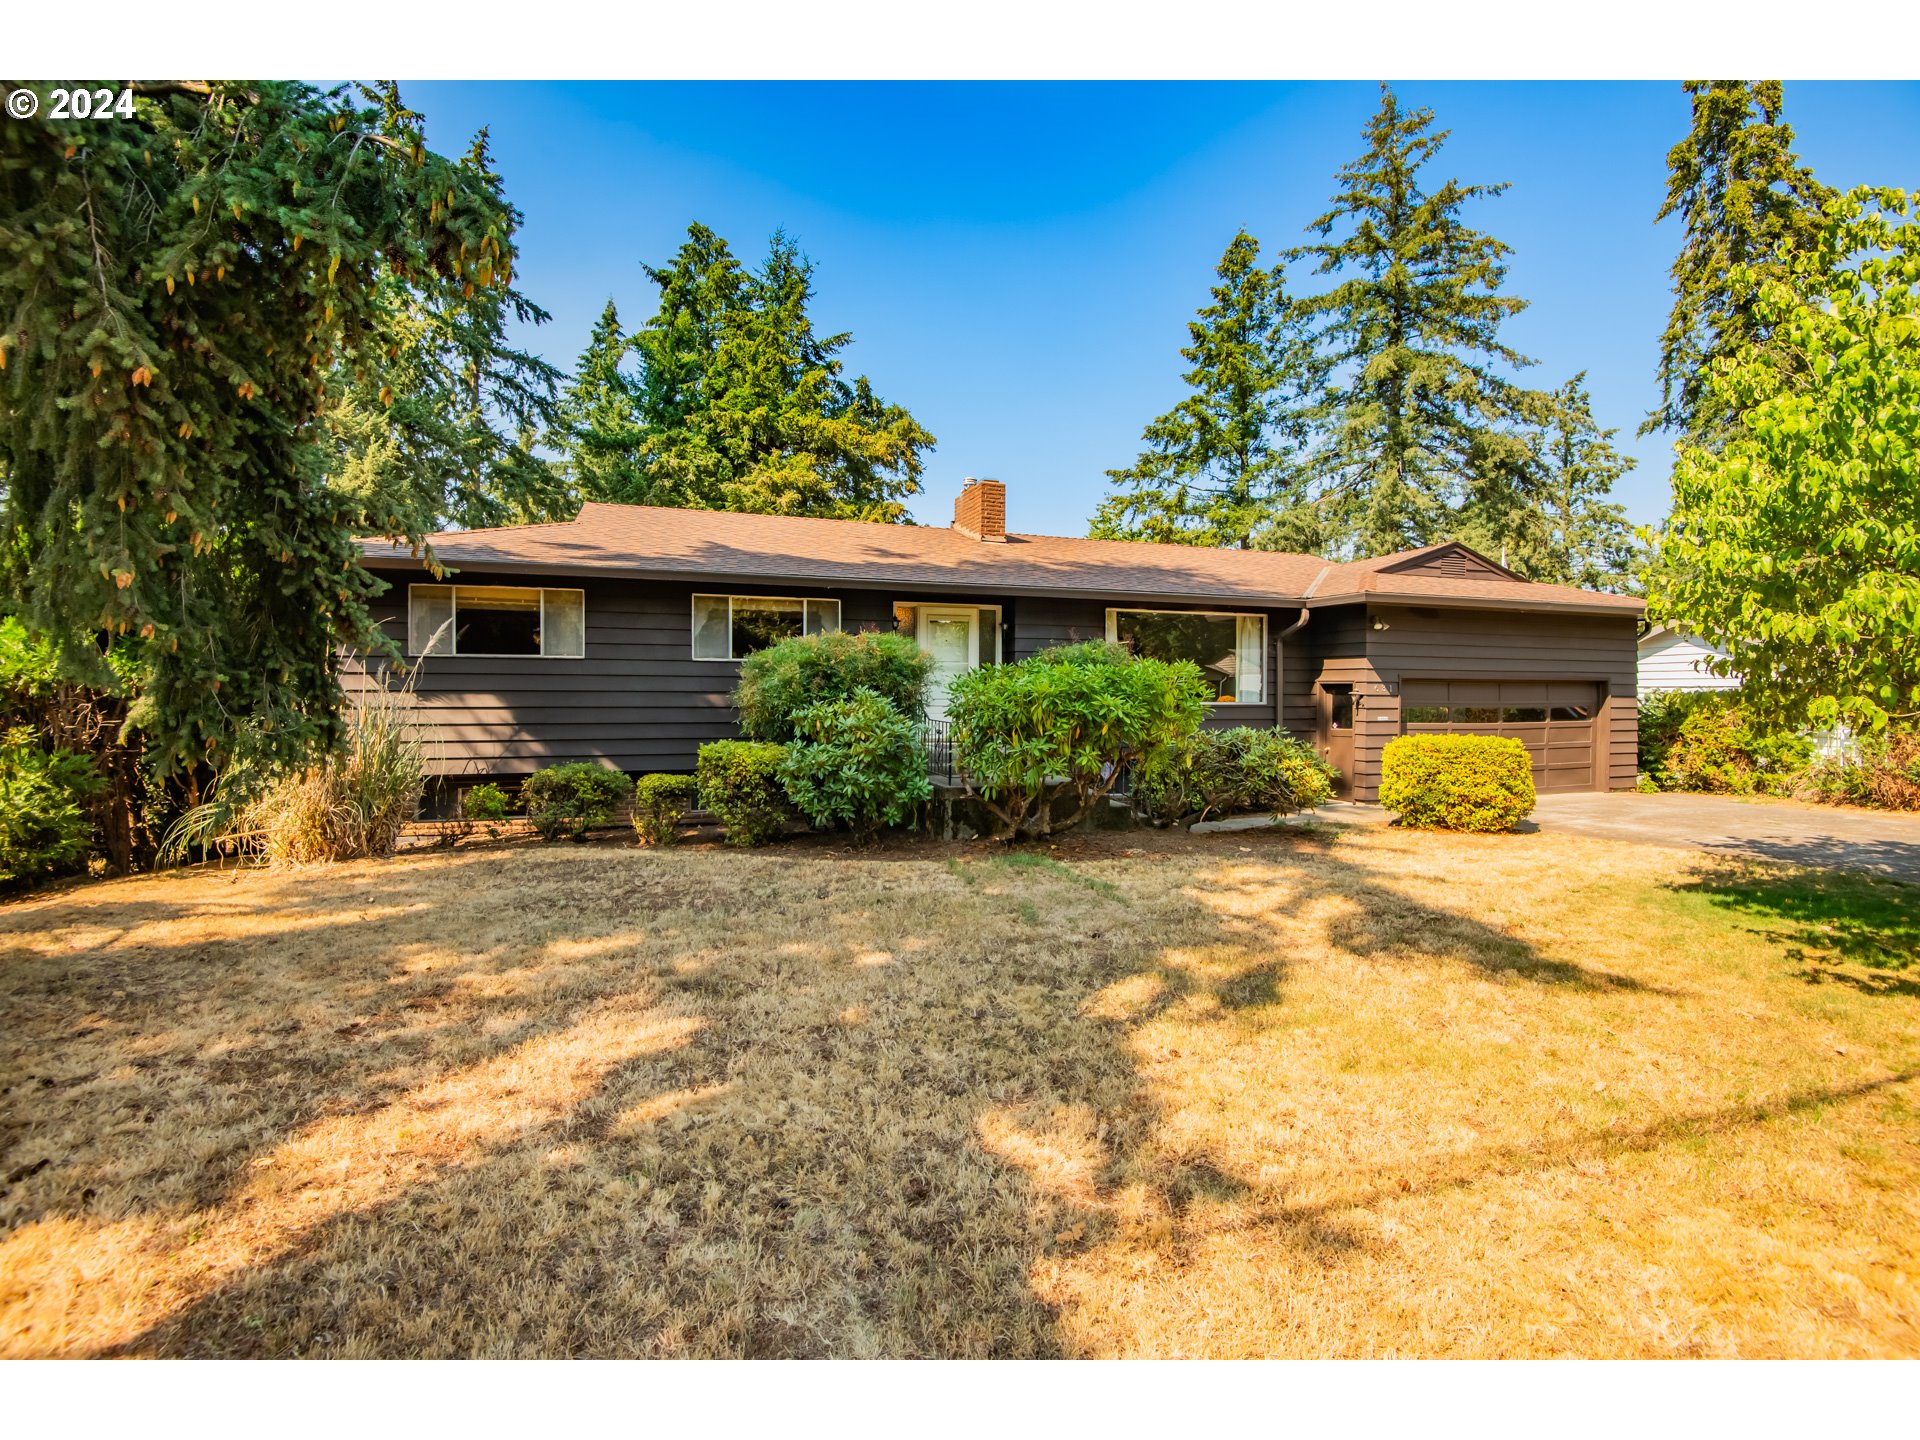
1457 782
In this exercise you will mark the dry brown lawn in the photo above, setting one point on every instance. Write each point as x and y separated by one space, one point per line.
1277 1093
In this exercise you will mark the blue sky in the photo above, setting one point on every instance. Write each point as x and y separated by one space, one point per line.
1017 262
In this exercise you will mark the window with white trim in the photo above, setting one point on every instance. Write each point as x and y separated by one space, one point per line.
732 627
496 620
1230 648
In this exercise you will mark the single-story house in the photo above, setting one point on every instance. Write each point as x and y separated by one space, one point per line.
1677 660
617 636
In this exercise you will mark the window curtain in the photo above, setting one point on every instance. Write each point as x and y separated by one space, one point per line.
429 617
1250 659
563 629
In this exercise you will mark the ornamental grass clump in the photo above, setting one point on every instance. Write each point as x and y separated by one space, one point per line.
660 803
351 804
1457 782
856 762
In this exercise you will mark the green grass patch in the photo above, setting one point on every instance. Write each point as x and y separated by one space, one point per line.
1045 864
1825 916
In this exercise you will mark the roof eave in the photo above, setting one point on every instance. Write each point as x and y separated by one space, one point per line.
987 588
1624 605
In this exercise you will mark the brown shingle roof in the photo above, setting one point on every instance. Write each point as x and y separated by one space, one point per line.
654 541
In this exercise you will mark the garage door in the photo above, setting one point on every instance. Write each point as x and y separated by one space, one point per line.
1553 719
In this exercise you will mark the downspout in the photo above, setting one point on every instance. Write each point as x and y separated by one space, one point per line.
1280 680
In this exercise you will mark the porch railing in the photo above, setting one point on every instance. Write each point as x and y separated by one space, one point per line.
944 769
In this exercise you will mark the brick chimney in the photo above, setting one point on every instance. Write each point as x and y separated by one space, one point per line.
981 511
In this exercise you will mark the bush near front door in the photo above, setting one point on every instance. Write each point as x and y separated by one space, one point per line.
777 683
1457 782
1070 718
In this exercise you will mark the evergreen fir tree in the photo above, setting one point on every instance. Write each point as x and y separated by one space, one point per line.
599 430
745 407
188 289
1413 408
1545 513
1222 464
1744 196
435 414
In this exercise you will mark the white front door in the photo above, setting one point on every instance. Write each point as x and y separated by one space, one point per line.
952 638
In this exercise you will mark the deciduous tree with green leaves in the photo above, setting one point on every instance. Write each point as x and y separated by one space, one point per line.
1224 463
1416 405
1795 542
1748 205
178 292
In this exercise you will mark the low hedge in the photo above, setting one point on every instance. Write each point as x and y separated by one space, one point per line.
565 801
659 804
1457 782
1220 772
739 781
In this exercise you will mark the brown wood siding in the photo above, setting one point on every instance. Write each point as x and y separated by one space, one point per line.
1336 633
1042 621
1457 564
1434 643
637 700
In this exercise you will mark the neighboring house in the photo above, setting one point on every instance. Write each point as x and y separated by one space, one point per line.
1676 660
617 636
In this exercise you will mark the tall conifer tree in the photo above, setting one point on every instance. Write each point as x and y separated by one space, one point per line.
599 429
1414 407
1222 465
1743 195
1546 513
745 407
185 290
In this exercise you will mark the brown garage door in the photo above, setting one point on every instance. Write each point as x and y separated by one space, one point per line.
1554 719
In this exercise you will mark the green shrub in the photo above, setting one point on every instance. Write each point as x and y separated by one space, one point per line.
777 683
660 802
486 803
1071 717
44 827
566 801
1284 774
855 762
1719 749
1710 742
1220 772
739 781
1457 782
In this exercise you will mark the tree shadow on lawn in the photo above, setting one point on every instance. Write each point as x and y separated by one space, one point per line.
627 1103
1827 920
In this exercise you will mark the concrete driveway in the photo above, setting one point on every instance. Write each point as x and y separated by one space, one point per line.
1881 844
